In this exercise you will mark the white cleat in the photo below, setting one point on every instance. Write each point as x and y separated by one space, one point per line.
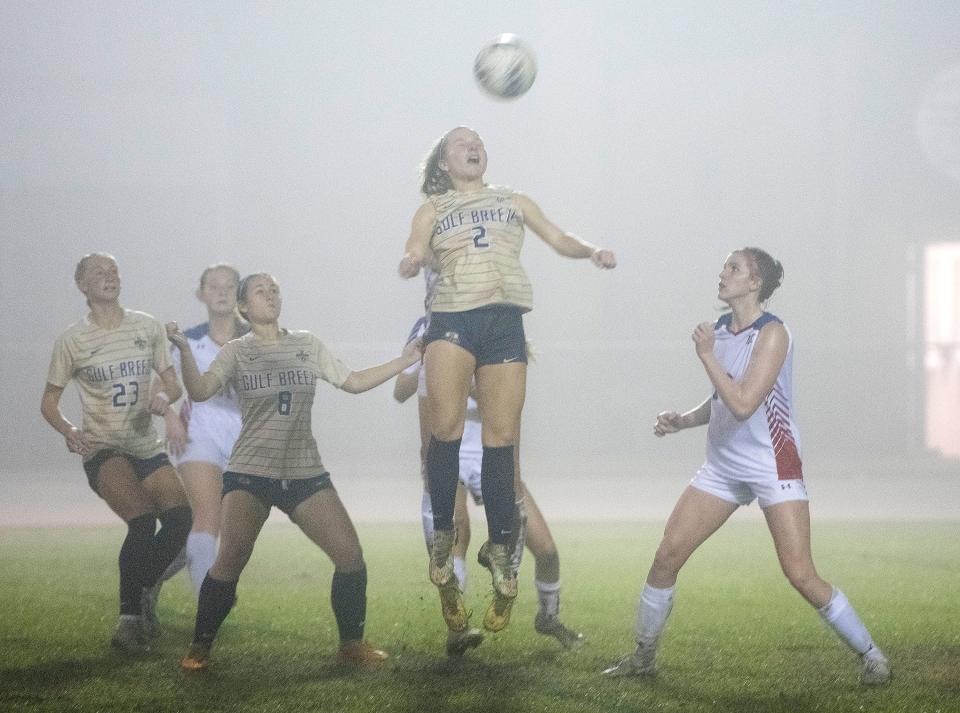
875 669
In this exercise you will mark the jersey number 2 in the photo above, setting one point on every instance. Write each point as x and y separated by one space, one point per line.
479 233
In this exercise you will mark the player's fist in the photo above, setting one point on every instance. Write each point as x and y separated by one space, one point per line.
413 352
703 338
604 259
409 266
77 441
175 335
667 422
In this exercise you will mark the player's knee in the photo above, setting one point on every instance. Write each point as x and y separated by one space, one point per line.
348 559
800 573
668 559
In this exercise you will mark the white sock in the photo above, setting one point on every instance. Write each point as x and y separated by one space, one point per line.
426 516
840 616
460 571
548 596
201 554
652 612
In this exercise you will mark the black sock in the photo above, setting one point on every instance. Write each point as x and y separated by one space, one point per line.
216 600
136 554
496 486
348 595
175 525
443 474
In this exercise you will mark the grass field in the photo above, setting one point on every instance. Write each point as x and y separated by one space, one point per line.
739 639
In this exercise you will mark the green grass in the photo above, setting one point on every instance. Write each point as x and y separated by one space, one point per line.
739 639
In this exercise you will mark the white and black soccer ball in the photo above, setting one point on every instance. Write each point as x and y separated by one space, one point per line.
505 67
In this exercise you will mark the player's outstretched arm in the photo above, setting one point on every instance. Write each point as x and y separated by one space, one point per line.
417 249
200 387
366 379
564 243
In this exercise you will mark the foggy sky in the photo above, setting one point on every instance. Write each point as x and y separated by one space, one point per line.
285 137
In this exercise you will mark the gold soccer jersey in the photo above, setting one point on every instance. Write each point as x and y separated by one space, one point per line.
476 245
113 369
276 383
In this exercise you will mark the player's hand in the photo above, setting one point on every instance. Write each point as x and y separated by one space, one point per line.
604 259
409 266
77 441
176 433
159 403
413 352
667 422
176 336
703 338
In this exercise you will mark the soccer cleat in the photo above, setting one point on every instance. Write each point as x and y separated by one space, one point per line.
459 642
496 558
128 636
361 654
876 668
639 663
441 565
550 625
150 622
443 577
197 658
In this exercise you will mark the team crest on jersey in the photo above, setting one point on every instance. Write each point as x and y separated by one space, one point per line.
302 355
140 342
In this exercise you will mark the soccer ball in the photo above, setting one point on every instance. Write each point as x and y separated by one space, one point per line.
506 67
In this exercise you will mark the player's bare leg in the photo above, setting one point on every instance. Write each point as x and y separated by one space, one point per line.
789 525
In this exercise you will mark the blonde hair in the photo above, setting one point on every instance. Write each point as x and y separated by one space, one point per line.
82 265
219 266
433 179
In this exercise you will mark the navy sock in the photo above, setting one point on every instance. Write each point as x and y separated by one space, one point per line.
216 600
496 486
348 595
443 474
175 525
136 553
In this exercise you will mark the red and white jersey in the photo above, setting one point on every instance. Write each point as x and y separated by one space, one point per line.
765 446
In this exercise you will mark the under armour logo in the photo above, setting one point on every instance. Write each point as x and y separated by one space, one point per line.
302 355
140 343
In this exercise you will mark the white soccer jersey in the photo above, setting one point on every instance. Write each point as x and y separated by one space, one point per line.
765 446
204 351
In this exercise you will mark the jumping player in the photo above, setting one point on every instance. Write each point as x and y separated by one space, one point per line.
535 531
473 234
275 462
112 355
753 452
